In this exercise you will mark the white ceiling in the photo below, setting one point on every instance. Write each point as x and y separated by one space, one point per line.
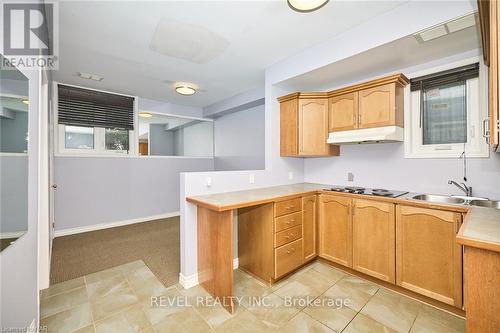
112 39
399 54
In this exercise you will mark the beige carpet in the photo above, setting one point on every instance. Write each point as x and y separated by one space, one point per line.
156 243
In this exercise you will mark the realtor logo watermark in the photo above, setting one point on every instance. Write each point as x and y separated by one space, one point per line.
30 35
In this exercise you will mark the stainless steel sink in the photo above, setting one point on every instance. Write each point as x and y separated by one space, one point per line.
485 203
439 198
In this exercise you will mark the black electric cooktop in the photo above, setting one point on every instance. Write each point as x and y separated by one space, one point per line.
367 191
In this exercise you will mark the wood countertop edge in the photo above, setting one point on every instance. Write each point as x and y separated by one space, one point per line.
401 201
461 239
474 242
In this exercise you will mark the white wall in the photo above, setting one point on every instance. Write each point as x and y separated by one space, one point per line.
240 140
409 18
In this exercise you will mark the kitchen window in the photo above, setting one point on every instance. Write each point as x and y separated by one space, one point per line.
446 113
94 122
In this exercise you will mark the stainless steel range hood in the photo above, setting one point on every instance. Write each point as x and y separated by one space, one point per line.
367 135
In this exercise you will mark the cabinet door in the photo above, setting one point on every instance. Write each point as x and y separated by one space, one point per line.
374 239
343 112
313 127
428 258
288 128
494 77
377 106
335 229
309 227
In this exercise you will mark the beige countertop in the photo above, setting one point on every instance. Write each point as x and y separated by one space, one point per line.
481 227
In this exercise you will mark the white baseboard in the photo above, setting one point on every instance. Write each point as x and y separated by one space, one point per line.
72 231
188 281
11 234
33 327
192 280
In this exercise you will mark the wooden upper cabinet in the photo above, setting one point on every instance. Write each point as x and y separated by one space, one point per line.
289 143
428 258
343 112
374 239
309 229
489 18
375 103
377 107
304 125
335 229
313 126
495 74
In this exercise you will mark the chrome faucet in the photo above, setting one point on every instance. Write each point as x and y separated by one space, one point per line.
466 189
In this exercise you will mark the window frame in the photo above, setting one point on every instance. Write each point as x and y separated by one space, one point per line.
99 132
477 106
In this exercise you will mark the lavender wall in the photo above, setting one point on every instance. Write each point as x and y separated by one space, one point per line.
104 190
384 165
239 140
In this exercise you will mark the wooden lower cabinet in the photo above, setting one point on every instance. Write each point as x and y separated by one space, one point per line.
482 289
335 240
428 258
287 258
309 229
374 239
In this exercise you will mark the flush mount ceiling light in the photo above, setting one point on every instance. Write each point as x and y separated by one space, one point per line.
185 89
306 6
25 101
145 115
89 76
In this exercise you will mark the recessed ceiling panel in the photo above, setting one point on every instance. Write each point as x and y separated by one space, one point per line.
187 41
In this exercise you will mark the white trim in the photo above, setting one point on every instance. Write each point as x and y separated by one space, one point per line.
100 226
33 328
188 281
192 280
174 115
130 156
12 234
13 154
44 224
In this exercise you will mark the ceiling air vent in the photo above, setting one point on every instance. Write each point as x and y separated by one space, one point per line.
446 28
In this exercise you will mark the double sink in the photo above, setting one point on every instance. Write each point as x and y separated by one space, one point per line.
469 201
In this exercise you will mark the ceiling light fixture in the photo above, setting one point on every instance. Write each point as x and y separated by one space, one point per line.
306 6
145 115
25 101
89 76
185 89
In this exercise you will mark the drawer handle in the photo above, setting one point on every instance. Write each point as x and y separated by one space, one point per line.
290 207
292 250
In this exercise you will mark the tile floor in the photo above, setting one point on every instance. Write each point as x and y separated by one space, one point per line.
318 298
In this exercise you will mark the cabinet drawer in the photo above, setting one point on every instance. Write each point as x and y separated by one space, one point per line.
287 207
287 236
287 221
287 258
